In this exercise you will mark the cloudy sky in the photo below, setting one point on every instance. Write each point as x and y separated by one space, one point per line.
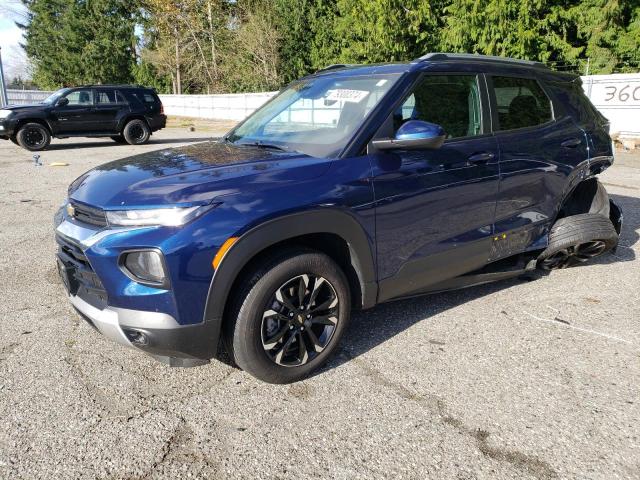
13 57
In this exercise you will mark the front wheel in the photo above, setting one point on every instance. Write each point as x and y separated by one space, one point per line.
136 132
33 137
289 316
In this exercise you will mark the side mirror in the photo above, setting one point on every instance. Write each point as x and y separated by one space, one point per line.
62 102
414 134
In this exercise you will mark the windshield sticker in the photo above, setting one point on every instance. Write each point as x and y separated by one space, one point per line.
352 96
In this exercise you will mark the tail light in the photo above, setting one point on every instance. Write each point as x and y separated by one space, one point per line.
161 108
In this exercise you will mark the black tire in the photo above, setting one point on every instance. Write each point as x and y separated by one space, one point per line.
119 139
136 132
258 316
577 239
33 137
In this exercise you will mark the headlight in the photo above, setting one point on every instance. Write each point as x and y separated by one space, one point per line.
167 217
5 113
146 267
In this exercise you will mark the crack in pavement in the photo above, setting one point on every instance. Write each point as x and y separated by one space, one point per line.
528 463
7 351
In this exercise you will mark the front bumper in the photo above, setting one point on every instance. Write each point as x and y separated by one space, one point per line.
7 128
151 330
154 333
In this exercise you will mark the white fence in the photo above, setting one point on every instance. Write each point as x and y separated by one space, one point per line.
219 107
23 97
616 96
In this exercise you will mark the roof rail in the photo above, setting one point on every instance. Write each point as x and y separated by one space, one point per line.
479 58
336 65
112 85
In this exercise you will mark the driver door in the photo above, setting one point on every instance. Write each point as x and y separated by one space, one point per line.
435 207
76 116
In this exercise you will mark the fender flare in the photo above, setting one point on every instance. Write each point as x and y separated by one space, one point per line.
284 228
131 116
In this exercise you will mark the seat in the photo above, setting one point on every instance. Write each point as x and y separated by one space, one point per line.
523 112
84 98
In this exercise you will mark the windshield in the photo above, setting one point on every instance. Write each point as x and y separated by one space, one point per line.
51 99
316 116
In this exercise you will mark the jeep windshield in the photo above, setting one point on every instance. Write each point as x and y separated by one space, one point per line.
315 116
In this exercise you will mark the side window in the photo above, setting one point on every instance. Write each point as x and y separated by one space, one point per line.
120 97
521 103
80 97
451 101
105 97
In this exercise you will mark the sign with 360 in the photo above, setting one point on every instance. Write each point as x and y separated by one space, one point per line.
626 93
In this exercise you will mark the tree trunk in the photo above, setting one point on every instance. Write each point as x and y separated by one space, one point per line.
178 81
214 60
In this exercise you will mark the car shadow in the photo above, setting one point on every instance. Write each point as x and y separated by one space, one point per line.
111 143
370 328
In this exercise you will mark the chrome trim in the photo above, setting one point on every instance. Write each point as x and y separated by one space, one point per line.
106 321
111 320
87 237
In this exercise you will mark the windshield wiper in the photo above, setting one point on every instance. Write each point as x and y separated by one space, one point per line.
267 145
261 144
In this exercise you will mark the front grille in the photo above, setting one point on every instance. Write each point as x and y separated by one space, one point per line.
81 280
90 215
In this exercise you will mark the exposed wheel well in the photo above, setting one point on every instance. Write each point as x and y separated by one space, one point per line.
581 199
328 243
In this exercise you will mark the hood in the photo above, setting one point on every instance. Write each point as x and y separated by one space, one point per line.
195 174
16 108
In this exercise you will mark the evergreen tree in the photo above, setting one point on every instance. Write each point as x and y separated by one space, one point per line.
73 42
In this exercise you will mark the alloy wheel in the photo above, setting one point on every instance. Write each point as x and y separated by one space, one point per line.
300 320
572 255
137 132
34 137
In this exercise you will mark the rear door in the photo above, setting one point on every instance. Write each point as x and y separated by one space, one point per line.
109 102
540 148
435 208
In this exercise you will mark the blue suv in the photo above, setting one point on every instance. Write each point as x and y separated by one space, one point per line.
352 187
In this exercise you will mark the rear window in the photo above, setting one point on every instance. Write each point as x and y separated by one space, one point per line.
521 103
145 97
576 103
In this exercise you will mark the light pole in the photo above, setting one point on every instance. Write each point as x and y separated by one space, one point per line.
4 100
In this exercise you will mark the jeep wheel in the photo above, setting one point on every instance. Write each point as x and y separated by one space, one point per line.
576 239
288 316
119 139
136 132
33 137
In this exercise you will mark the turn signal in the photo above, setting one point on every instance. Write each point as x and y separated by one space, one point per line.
223 250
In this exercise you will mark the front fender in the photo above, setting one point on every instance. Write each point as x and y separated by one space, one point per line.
329 220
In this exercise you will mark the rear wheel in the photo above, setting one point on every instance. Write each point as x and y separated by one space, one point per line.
577 239
136 132
288 316
33 137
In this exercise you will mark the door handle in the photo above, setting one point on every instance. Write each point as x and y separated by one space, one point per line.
571 143
480 158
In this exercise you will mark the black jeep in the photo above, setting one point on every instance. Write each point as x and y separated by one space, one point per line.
123 112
